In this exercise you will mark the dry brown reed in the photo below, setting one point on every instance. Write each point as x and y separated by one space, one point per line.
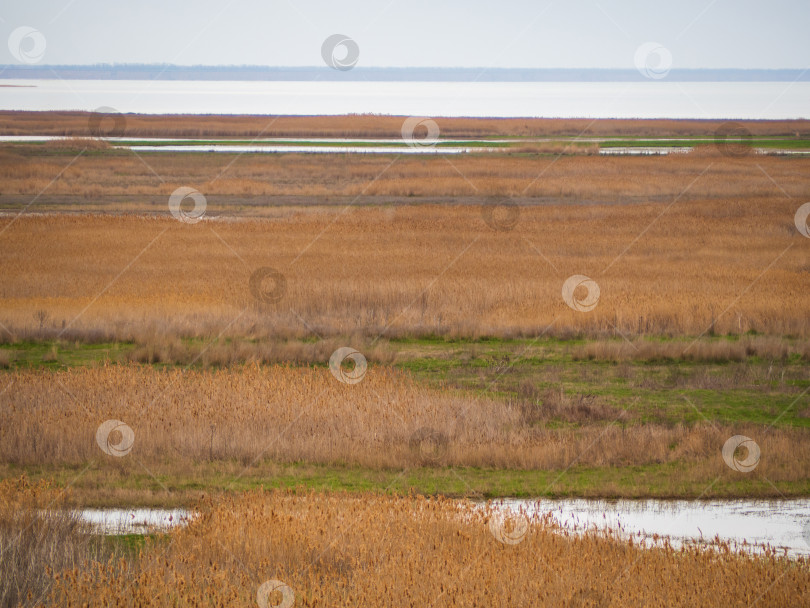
254 414
37 540
372 550
126 177
697 267
359 125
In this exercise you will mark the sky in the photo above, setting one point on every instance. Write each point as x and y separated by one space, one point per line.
416 33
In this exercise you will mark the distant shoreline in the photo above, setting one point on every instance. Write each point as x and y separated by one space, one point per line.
397 74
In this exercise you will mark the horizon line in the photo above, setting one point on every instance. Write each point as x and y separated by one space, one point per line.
158 71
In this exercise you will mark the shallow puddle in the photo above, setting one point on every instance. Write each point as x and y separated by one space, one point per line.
781 524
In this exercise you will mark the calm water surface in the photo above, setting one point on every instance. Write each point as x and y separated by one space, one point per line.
649 99
782 524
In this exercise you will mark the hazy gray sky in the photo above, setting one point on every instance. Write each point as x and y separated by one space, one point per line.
454 33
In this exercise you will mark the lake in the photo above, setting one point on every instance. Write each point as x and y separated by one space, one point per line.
650 99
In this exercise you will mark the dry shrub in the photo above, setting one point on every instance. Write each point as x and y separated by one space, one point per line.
542 405
721 351
235 351
169 351
373 550
51 356
38 540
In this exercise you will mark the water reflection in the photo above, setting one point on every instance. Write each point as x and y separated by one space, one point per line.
781 524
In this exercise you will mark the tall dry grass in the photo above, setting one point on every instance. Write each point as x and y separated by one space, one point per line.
39 540
125 177
290 414
372 550
690 268
360 125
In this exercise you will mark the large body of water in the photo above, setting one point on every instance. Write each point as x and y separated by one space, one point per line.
649 99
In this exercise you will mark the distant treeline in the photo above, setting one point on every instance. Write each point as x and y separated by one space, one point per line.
175 72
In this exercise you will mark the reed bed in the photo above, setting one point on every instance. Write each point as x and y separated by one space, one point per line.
359 125
124 176
314 549
38 539
693 268
255 414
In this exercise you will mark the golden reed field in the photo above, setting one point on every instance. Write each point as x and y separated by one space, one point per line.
93 177
296 255
367 125
256 414
329 549
691 267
